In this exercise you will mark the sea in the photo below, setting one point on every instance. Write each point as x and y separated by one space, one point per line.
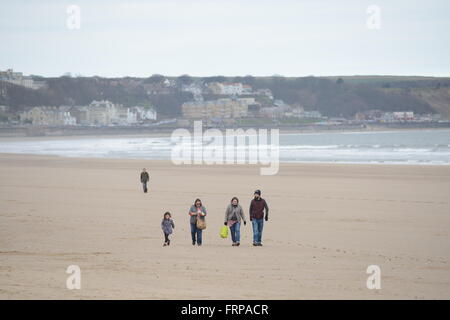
418 147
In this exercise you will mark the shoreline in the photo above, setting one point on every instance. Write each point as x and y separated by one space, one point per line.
165 134
287 163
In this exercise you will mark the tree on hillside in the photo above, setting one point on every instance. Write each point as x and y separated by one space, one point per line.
215 79
155 79
249 79
185 79
170 105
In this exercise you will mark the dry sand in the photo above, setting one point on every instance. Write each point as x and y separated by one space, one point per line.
327 224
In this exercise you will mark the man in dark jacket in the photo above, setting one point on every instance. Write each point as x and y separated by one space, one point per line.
144 179
257 207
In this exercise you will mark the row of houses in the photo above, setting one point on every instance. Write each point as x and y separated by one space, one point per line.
224 88
98 113
221 108
286 111
19 79
232 108
376 115
379 115
50 116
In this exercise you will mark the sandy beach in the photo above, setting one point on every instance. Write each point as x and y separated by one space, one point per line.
327 224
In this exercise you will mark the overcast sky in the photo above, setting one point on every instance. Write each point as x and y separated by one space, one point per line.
228 37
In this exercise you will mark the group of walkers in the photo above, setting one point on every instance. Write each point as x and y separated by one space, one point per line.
234 217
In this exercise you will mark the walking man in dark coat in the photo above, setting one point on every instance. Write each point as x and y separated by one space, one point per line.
144 179
257 217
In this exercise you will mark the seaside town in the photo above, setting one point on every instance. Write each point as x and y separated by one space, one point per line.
234 104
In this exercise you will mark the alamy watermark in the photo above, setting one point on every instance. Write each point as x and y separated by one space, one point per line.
236 146
374 280
74 280
73 21
374 19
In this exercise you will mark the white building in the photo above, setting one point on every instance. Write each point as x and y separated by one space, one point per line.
107 113
48 116
131 116
170 83
102 113
231 89
404 115
124 116
143 113
193 88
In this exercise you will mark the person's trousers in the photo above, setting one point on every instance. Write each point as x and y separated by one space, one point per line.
196 233
166 237
144 186
236 232
257 225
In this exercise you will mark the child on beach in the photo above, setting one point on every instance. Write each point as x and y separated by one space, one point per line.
167 226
